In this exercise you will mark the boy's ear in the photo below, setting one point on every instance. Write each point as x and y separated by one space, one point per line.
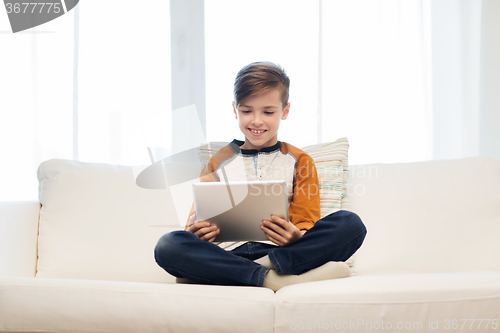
234 110
286 110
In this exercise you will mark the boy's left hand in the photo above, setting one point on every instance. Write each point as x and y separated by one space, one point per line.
281 231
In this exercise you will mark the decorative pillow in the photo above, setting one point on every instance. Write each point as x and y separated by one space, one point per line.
207 150
333 173
331 161
332 166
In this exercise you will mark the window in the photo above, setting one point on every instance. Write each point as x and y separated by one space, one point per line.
240 32
372 65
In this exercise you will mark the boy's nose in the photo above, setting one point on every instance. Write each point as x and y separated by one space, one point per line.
257 120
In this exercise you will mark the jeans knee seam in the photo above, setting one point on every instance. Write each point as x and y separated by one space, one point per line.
364 232
276 264
262 276
347 243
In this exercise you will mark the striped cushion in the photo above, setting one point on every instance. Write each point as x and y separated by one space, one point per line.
207 150
333 173
331 162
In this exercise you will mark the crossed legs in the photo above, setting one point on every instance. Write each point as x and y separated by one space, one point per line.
333 238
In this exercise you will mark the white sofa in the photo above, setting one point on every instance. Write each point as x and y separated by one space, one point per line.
83 260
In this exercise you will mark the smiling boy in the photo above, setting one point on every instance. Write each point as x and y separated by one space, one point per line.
306 248
259 118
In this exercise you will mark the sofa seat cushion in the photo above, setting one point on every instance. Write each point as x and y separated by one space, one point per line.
362 303
71 305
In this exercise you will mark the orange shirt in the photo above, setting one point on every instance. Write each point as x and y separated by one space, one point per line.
279 162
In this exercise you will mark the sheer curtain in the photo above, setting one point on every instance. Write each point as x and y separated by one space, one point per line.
357 69
240 32
36 94
124 79
465 78
104 113
374 80
404 80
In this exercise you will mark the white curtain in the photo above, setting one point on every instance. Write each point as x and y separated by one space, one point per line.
124 79
374 80
240 32
90 86
464 37
357 69
36 94
404 80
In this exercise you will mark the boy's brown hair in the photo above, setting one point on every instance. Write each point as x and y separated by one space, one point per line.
258 78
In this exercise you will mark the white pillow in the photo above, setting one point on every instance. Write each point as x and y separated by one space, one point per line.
96 223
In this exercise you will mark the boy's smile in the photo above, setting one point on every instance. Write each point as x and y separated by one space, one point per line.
259 119
257 132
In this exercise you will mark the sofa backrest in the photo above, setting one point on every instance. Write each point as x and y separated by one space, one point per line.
437 216
18 238
96 223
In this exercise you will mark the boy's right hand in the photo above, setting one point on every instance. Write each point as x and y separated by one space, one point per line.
203 229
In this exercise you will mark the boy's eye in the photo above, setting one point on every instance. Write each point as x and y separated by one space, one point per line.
268 112
245 111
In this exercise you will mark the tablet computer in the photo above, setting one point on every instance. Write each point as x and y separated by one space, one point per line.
238 208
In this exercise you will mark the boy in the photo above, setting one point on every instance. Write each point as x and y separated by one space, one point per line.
306 248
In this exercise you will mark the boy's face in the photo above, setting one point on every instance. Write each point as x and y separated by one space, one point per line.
259 119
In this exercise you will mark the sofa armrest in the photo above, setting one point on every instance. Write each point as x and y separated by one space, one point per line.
18 238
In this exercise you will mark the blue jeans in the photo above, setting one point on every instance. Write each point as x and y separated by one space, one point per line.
333 238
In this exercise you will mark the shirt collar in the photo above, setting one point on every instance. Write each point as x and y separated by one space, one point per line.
236 144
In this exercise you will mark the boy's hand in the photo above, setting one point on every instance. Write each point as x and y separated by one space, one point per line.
281 231
203 229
